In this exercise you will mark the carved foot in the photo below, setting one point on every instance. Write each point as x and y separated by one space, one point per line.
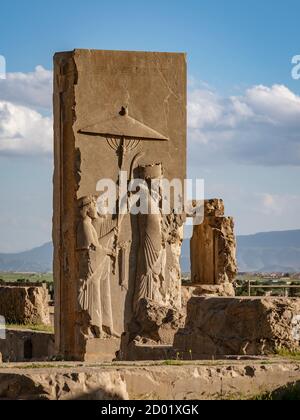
87 333
115 334
97 332
112 333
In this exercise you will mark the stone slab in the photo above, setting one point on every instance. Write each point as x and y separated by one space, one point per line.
104 350
219 326
142 381
98 96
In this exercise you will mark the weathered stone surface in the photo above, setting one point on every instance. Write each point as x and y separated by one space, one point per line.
155 323
25 305
225 290
113 111
210 326
220 380
22 345
239 326
69 386
145 350
213 248
106 350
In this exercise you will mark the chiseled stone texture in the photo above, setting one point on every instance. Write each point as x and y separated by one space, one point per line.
155 324
22 345
25 305
219 380
213 248
222 290
135 93
215 327
239 326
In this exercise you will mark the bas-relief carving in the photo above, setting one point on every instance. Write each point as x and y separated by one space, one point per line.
124 134
95 236
107 248
152 254
98 250
160 237
125 127
138 255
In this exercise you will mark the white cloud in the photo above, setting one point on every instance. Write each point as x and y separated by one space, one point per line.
256 211
25 113
268 202
24 130
283 205
32 89
259 127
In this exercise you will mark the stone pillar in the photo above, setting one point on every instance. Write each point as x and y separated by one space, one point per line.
113 111
213 251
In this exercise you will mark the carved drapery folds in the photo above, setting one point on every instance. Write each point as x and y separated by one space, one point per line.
95 237
151 260
160 241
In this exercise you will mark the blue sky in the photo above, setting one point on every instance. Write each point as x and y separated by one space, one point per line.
244 106
229 43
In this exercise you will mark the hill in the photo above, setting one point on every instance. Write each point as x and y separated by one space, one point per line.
263 252
37 260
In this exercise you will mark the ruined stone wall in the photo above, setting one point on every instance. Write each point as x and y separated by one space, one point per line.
27 345
217 326
213 247
211 381
25 305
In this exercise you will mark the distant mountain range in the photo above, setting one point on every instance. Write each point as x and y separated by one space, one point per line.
270 252
263 252
38 260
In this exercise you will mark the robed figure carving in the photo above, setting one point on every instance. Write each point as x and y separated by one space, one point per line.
151 262
95 235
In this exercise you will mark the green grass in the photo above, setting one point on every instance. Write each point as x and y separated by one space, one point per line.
43 366
172 363
26 277
40 328
282 352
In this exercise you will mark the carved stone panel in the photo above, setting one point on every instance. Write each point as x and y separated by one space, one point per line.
113 111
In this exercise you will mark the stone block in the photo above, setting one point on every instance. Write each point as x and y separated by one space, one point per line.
213 247
24 304
219 326
27 345
113 111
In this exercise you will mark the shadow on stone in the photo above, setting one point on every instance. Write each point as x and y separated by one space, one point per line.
290 392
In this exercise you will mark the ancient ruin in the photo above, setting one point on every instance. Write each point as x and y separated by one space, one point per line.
26 304
120 118
119 137
213 251
115 113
